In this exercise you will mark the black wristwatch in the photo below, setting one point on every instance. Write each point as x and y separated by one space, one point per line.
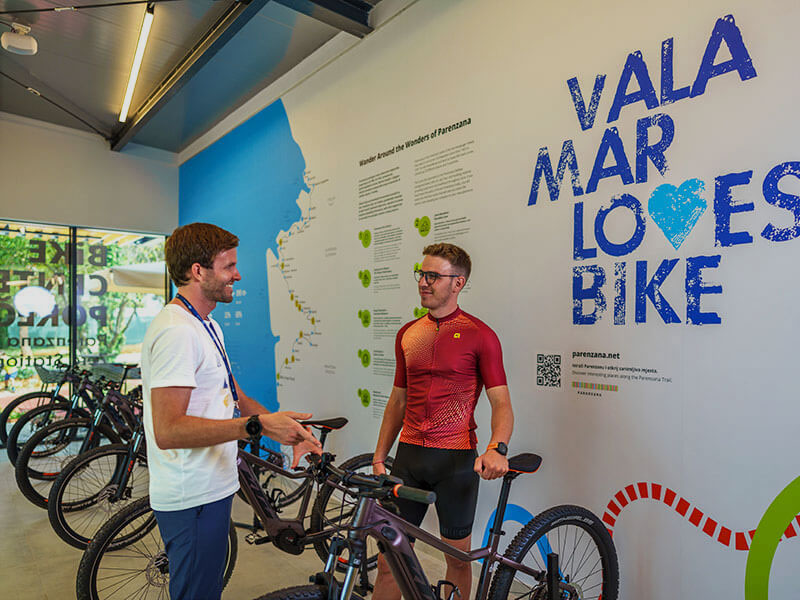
499 447
253 426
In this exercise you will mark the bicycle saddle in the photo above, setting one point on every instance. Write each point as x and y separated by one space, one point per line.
524 463
334 423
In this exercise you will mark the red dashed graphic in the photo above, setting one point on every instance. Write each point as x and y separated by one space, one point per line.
738 540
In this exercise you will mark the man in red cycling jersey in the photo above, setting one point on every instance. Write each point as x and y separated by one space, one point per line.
444 360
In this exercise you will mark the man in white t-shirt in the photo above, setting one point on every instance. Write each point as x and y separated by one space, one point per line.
190 399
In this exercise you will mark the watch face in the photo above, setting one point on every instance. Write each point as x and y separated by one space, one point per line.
253 425
502 448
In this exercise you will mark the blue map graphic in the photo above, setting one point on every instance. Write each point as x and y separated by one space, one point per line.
248 182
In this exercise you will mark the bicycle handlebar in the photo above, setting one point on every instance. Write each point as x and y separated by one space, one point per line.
411 493
384 485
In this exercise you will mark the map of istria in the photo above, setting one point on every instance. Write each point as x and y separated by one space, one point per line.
253 182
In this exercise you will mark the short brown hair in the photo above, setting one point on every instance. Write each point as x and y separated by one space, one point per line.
195 243
456 256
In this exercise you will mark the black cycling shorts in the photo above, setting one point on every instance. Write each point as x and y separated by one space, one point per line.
449 473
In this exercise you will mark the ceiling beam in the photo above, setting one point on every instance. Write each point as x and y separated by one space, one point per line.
351 16
231 21
24 79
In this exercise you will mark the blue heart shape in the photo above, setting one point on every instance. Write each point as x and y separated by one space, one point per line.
676 209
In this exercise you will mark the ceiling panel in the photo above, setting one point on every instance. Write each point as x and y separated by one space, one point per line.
85 56
267 47
16 100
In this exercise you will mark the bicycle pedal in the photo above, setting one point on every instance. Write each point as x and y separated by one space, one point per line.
454 591
256 540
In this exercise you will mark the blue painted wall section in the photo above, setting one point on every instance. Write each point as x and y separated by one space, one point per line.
248 182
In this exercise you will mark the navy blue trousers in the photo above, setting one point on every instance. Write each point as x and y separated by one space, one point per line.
196 541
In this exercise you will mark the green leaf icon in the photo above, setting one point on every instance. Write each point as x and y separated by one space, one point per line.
424 226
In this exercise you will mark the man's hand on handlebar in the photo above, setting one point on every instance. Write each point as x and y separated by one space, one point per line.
378 467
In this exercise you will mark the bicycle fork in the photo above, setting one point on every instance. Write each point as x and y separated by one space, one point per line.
123 474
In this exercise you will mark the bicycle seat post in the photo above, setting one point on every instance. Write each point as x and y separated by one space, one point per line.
322 435
496 531
500 512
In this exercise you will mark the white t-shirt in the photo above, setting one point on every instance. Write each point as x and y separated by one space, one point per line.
178 351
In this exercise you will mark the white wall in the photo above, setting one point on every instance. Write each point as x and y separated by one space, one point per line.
643 405
53 174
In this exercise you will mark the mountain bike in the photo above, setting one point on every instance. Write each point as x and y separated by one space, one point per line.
94 486
88 386
570 540
124 556
85 396
52 382
50 449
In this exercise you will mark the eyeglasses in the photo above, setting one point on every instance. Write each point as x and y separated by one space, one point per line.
430 276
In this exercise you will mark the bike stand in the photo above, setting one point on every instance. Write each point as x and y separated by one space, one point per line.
552 578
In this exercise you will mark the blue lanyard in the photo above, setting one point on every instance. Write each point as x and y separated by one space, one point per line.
208 327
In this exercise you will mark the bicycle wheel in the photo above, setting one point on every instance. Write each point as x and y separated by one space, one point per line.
587 558
34 420
15 409
301 592
51 449
81 497
334 509
126 559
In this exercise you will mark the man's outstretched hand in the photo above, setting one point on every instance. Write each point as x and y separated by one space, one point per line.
283 427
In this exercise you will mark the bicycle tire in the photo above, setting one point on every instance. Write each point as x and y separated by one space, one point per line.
583 545
80 502
301 592
38 468
34 420
332 509
134 565
11 407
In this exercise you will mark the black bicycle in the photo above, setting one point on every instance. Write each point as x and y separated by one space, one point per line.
87 386
96 485
126 559
50 449
564 553
52 382
87 393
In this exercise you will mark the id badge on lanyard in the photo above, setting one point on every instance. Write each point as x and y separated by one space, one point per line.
218 344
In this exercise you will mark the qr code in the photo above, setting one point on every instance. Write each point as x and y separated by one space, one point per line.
548 370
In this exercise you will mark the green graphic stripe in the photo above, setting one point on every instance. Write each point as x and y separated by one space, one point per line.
765 541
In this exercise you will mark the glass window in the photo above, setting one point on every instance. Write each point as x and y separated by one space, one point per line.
34 295
120 285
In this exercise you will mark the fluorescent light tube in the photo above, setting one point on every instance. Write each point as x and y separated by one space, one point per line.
137 62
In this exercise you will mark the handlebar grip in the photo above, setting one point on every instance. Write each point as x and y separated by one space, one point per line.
415 494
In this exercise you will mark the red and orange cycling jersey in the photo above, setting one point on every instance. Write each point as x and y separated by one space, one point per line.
444 364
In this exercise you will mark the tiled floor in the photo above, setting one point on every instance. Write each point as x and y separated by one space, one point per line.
36 565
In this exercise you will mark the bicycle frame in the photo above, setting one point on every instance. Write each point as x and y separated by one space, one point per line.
393 536
289 535
123 472
274 525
